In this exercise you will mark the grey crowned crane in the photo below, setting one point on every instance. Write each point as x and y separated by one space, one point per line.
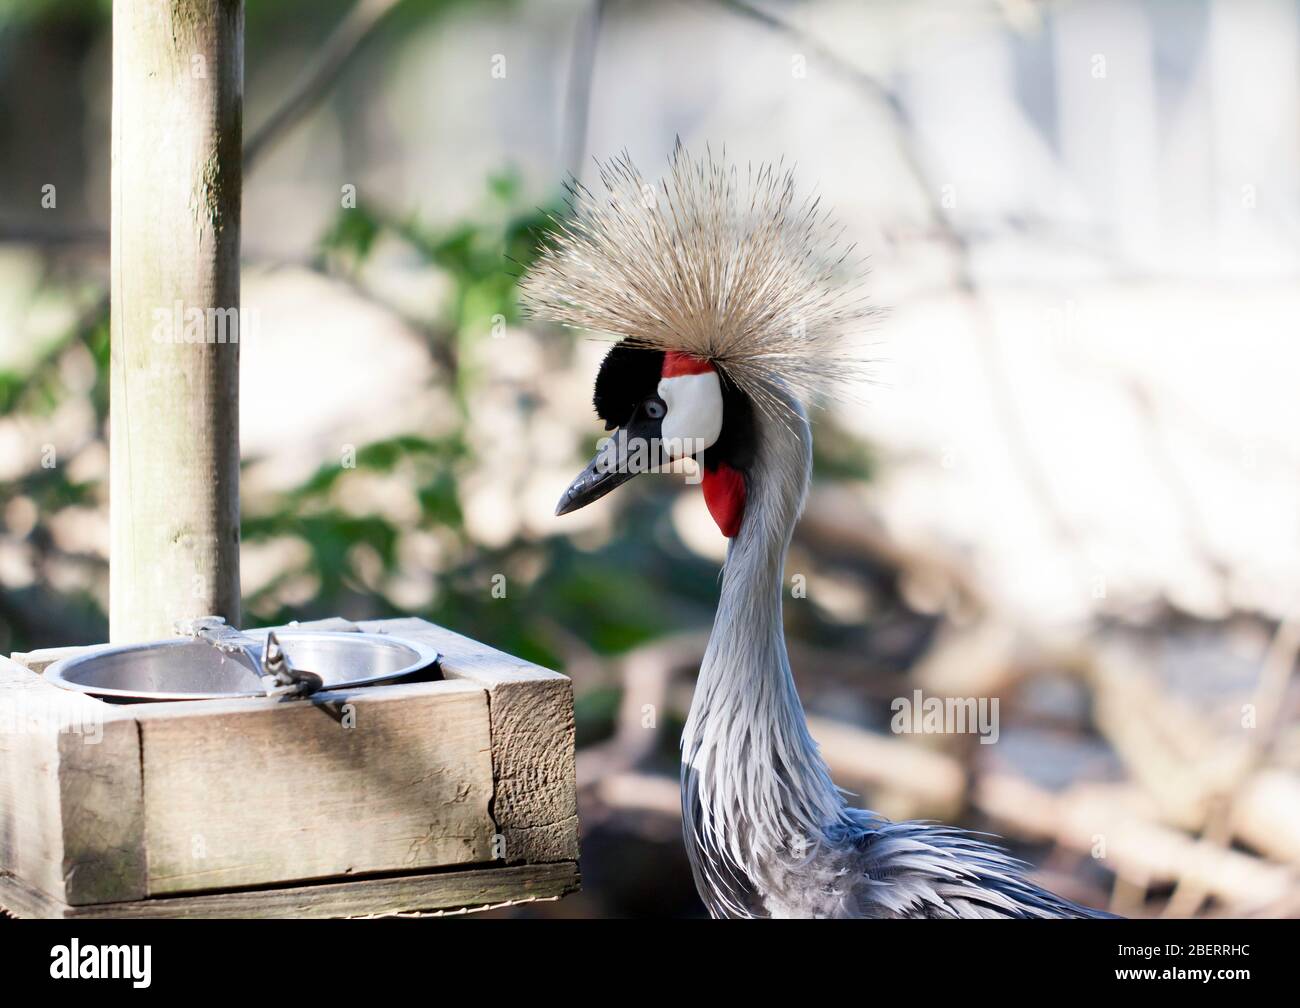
721 291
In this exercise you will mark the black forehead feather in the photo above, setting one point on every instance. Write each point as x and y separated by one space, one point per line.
627 375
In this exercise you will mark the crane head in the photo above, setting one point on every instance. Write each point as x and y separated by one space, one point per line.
663 406
727 293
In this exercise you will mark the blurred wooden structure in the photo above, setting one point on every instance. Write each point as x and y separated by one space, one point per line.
439 795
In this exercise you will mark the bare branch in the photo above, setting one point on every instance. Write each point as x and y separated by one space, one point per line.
315 82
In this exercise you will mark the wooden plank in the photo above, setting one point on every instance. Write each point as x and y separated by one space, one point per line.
536 803
435 892
70 792
250 792
255 791
39 660
103 811
463 657
31 833
531 709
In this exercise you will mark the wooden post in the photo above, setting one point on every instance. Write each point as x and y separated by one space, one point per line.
178 81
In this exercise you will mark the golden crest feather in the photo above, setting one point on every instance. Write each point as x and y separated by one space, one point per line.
726 267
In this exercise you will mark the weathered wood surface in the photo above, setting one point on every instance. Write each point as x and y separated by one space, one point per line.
42 658
434 892
67 758
251 792
187 797
31 840
531 710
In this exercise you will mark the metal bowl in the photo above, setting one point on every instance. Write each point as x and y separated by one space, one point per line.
189 669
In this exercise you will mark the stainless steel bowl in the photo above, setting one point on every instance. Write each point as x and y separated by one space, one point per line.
190 669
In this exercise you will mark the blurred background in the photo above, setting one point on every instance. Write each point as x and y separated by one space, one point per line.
1074 484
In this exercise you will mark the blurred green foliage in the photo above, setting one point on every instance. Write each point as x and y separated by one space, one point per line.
561 600
637 587
18 13
590 595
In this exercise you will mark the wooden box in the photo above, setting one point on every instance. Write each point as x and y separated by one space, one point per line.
440 795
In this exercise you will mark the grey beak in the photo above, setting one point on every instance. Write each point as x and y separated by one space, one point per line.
608 470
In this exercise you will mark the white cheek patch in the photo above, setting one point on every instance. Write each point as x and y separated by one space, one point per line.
694 418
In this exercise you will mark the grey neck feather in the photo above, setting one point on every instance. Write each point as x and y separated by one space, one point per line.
755 789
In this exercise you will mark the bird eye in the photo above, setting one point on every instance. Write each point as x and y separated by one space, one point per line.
655 409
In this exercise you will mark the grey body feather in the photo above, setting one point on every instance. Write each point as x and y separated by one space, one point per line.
767 832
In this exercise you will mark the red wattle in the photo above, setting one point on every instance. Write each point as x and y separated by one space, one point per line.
724 493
